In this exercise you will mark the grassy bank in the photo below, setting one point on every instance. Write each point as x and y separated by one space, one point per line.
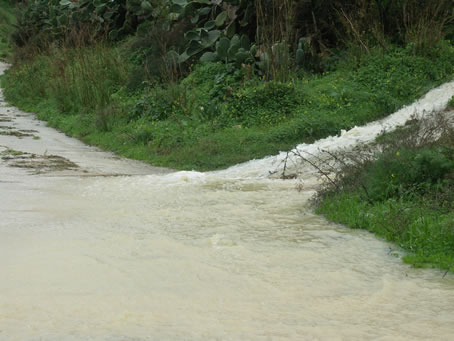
404 193
218 115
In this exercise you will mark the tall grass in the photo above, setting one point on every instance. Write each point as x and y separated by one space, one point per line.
76 79
276 37
425 23
86 77
422 24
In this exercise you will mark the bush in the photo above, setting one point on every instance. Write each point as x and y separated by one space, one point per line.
407 173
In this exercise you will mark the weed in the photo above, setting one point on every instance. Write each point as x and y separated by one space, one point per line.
262 104
451 103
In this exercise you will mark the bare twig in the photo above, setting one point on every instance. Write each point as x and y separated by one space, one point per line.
318 168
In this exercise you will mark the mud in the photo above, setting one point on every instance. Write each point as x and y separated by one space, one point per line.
35 163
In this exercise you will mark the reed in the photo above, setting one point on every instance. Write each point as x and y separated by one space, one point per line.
425 22
84 77
275 37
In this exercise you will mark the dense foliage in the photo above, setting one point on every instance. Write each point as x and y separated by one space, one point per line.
272 36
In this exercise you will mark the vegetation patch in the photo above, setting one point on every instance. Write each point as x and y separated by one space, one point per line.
451 104
402 189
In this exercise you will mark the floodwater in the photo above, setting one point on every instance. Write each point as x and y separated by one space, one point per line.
93 247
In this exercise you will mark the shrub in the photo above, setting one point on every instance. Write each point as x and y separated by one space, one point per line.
262 104
407 172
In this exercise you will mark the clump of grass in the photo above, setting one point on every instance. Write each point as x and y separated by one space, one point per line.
401 188
85 78
451 103
75 79
425 23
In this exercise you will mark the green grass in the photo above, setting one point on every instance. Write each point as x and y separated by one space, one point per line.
405 194
217 116
7 20
451 103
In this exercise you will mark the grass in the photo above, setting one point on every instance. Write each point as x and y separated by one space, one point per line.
7 21
451 103
404 194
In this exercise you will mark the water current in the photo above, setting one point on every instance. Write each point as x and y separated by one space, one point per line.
94 247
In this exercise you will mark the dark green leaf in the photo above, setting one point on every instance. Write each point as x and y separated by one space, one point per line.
221 18
209 25
204 11
209 57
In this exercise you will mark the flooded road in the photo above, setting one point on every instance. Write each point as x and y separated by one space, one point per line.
93 247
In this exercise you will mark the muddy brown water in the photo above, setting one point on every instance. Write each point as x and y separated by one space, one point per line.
94 247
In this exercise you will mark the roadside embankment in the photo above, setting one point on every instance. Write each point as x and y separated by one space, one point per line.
215 117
